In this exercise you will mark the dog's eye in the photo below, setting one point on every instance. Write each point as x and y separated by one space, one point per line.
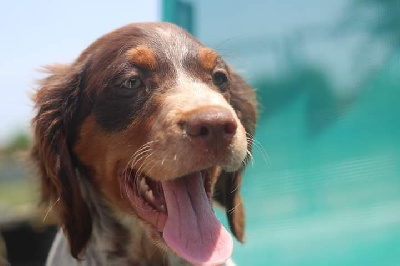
132 83
219 79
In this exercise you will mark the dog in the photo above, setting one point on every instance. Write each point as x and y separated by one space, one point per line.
134 141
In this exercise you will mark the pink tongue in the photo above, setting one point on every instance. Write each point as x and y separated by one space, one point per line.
191 229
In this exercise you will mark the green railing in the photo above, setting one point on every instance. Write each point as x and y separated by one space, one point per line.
325 185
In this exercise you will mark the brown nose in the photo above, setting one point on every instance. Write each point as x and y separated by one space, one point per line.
211 123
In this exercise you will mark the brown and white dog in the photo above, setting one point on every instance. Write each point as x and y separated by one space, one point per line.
133 141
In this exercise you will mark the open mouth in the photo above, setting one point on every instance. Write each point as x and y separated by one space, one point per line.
181 210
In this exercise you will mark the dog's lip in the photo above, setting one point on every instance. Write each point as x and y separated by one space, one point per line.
187 223
151 206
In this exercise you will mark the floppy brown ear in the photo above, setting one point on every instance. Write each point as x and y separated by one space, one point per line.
56 102
227 188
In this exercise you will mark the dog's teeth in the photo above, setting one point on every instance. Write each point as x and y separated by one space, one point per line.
162 208
143 185
150 195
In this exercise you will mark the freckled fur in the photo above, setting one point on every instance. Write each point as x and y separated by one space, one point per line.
85 132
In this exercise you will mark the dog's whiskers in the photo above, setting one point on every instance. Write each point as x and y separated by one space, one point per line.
129 166
49 210
139 171
234 207
249 157
259 147
134 159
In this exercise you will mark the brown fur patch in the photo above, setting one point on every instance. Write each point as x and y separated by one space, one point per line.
208 58
142 56
74 133
105 153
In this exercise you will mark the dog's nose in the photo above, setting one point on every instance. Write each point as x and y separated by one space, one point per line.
211 123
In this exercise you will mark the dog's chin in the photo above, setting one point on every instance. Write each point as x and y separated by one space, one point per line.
179 213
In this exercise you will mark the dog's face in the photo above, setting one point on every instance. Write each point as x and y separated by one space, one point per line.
153 118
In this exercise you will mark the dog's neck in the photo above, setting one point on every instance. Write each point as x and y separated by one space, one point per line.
119 239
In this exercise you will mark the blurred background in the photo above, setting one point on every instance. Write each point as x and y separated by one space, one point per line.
324 187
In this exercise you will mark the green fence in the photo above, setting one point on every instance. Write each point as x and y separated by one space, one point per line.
325 185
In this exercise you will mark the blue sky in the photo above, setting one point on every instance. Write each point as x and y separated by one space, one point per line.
36 33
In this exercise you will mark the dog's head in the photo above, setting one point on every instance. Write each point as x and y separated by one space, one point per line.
158 123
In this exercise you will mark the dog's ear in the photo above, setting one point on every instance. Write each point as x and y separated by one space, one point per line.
227 188
56 102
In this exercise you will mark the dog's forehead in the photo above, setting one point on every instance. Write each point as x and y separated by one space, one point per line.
149 45
173 42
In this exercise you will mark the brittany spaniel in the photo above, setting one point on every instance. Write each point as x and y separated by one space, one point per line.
134 142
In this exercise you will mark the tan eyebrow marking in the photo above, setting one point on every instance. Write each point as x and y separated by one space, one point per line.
142 56
208 58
